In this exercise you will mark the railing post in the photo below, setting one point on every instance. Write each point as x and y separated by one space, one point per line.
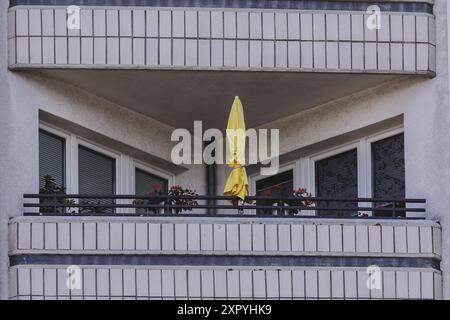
280 204
394 210
166 205
54 205
236 205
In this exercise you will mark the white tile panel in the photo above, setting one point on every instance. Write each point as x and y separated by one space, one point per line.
306 26
48 22
138 23
293 29
332 27
319 30
344 27
268 25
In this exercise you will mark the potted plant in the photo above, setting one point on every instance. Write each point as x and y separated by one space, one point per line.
51 187
173 194
298 193
270 201
188 204
157 191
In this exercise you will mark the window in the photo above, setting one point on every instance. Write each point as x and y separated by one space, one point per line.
96 176
388 171
147 182
96 172
337 177
281 184
52 158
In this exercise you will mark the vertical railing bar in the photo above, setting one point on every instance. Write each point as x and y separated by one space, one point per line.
394 209
54 205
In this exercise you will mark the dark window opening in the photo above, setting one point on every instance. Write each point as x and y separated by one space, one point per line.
337 177
388 173
279 185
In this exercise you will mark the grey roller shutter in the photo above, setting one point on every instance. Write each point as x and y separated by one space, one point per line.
51 158
96 176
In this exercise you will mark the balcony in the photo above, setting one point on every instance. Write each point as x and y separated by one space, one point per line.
243 251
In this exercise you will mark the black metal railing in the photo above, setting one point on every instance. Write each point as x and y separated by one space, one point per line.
135 205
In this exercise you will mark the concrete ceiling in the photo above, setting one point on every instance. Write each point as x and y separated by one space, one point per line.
180 97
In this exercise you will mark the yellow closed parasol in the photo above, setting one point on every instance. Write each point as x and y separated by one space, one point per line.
237 183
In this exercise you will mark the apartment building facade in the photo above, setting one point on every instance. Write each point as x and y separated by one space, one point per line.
91 92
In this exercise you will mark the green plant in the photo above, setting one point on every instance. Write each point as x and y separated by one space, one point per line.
157 191
51 187
187 204
300 194
174 193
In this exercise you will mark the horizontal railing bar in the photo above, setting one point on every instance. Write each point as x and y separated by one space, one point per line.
193 215
238 207
167 197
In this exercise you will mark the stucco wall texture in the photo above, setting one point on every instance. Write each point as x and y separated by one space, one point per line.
424 104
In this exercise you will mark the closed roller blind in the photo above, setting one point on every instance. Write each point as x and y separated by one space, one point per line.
51 158
96 172
96 176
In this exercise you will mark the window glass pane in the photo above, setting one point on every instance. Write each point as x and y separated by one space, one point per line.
388 171
51 158
337 177
281 184
96 176
147 183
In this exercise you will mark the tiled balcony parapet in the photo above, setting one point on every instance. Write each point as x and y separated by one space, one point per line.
192 257
240 236
233 38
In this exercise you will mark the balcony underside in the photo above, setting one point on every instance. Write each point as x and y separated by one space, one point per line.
180 97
